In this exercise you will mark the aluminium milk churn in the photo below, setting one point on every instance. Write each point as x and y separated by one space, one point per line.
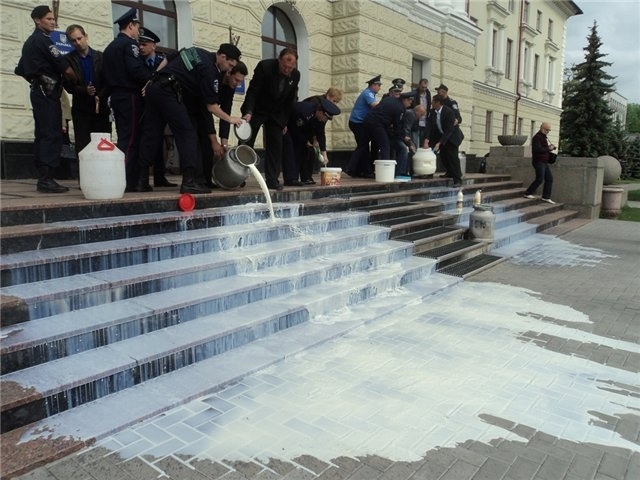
482 222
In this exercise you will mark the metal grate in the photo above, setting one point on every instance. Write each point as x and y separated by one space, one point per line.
419 235
385 205
407 219
447 249
471 265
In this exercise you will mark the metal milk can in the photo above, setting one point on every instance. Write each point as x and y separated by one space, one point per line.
482 222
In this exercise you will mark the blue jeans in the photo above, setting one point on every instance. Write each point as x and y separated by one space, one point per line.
543 174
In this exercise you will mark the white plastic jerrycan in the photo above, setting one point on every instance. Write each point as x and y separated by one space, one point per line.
102 170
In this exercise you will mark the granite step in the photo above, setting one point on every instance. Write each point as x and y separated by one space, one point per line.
43 390
65 333
58 262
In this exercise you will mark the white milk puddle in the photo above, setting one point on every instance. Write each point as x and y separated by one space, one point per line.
400 387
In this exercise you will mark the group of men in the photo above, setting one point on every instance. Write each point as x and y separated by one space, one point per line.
147 92
401 122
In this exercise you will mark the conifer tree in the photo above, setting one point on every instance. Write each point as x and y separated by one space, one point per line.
586 122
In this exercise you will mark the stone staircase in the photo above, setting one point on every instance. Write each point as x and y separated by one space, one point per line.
107 321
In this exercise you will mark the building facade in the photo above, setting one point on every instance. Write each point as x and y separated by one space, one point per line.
501 59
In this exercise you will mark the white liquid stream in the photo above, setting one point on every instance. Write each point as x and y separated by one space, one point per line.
264 188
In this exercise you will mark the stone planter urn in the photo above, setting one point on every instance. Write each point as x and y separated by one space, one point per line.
611 201
512 139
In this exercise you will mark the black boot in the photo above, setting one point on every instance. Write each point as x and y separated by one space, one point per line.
189 184
46 183
143 181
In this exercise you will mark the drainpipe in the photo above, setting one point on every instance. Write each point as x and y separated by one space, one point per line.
518 96
56 9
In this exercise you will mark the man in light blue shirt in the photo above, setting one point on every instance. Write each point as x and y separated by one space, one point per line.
359 163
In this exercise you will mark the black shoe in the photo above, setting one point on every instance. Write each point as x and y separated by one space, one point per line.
143 186
293 183
456 185
193 187
368 175
351 174
309 181
274 186
163 182
49 185
445 175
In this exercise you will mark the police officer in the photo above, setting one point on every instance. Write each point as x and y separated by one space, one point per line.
125 75
194 73
304 121
384 123
43 66
152 59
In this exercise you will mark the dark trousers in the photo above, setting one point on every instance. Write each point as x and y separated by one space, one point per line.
294 156
85 122
377 134
127 109
161 108
273 146
543 174
47 116
359 162
450 161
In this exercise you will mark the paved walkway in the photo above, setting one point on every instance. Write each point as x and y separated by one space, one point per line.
526 371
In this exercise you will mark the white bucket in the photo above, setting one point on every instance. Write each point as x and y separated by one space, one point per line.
385 170
330 176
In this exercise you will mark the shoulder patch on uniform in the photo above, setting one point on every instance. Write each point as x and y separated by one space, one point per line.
54 51
135 50
216 86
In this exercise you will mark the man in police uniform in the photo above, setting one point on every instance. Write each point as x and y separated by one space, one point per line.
304 121
125 75
152 59
43 66
191 73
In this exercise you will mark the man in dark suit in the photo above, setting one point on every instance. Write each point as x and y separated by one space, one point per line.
445 136
90 110
269 100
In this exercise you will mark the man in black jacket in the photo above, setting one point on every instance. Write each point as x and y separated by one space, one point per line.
89 110
445 136
270 97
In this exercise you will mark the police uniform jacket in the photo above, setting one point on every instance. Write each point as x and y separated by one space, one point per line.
226 103
320 133
303 119
41 57
123 64
388 113
78 88
264 95
157 60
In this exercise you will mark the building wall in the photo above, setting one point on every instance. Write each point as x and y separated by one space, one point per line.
342 43
525 100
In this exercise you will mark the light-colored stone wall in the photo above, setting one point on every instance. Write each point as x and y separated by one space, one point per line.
341 43
516 96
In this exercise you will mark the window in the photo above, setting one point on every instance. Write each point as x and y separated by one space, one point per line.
505 124
420 68
539 21
551 67
533 128
525 15
507 63
520 125
487 125
157 15
550 30
494 48
277 33
512 5
536 67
